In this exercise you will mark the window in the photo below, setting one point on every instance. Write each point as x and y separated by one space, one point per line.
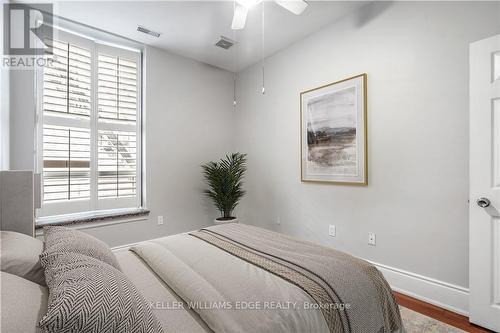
89 133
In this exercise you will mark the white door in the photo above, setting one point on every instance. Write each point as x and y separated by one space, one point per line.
484 220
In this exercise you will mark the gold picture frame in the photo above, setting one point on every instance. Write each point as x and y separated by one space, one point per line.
333 138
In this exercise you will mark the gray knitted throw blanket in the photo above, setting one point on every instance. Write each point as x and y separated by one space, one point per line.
351 293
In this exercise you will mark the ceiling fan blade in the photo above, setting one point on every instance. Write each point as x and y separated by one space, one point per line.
295 6
240 17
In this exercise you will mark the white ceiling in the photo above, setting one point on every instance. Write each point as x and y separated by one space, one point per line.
190 28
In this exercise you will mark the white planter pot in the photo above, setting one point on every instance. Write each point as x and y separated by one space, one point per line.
235 220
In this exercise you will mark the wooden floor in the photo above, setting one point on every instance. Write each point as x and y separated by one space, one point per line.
438 313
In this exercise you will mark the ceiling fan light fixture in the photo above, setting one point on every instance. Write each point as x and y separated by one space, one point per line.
239 17
295 6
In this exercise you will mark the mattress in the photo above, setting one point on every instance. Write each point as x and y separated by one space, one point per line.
239 278
169 308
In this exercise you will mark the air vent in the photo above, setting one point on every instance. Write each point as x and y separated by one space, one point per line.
147 31
225 42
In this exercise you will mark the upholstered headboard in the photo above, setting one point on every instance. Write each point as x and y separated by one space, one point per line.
17 202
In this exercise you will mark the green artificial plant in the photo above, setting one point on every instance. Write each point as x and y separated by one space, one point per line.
225 182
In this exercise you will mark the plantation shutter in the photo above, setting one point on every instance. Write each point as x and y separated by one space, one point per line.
118 105
66 103
89 134
66 84
117 82
66 163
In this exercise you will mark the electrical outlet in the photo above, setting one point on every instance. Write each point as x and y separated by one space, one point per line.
278 220
372 240
160 220
332 231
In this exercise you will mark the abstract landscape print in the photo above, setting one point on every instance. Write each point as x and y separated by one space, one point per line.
333 126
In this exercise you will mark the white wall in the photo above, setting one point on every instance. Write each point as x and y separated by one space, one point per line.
188 111
416 58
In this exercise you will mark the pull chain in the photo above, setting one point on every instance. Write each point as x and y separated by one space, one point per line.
234 90
263 48
234 60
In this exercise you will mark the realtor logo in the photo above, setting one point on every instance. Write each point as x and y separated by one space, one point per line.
25 27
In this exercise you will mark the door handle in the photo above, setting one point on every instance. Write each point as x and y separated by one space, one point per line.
483 202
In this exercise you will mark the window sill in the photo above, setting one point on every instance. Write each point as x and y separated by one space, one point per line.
91 217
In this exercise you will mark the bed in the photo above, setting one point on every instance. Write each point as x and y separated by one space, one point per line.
240 278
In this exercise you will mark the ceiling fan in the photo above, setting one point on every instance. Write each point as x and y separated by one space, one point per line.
242 6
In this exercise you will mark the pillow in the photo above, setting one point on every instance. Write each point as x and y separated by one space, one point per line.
19 256
62 239
23 304
87 295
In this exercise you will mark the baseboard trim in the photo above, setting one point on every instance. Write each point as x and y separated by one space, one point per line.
439 293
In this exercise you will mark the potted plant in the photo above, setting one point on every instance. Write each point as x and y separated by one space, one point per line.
225 182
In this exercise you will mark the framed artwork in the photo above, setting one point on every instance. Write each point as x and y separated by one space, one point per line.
334 134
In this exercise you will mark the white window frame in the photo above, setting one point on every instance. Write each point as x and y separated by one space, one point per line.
93 205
